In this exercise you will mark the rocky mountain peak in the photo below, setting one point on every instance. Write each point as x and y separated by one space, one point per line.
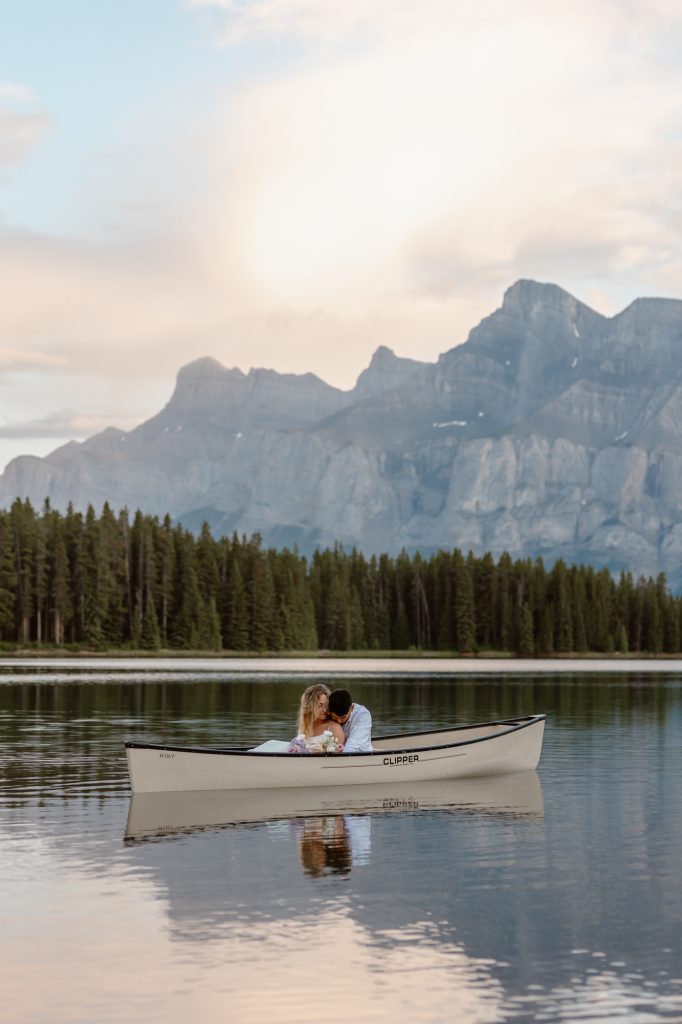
538 327
385 372
546 309
525 295
205 366
204 383
655 323
383 356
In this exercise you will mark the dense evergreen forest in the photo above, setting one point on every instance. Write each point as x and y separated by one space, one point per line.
116 581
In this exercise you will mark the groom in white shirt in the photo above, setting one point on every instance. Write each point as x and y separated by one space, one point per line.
355 720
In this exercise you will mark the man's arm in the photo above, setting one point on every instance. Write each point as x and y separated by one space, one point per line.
360 737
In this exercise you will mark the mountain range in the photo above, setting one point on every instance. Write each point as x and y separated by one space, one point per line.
553 431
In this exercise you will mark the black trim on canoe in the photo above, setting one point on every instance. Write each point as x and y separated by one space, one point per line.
514 725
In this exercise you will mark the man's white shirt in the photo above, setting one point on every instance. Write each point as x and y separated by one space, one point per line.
358 731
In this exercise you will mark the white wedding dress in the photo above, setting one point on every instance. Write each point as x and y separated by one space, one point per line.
272 747
311 744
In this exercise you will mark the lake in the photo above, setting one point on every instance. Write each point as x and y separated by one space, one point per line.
550 896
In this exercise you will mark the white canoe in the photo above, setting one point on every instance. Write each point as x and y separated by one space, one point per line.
494 748
166 814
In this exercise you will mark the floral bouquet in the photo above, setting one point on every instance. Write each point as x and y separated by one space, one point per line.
327 742
323 744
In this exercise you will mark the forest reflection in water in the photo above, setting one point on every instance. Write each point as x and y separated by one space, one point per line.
550 896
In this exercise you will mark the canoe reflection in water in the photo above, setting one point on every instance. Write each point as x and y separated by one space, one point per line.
333 845
154 815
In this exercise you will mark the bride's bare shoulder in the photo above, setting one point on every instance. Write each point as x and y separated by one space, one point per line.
336 731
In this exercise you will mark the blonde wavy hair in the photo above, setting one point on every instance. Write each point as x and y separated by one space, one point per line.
307 713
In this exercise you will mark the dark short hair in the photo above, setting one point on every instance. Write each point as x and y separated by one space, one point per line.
340 702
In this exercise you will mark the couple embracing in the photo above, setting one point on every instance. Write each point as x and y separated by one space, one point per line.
330 722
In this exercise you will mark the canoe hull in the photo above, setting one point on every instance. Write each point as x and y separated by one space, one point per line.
497 748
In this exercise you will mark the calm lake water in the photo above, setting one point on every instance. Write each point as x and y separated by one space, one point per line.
555 895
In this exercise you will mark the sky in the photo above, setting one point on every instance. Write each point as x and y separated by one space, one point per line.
292 183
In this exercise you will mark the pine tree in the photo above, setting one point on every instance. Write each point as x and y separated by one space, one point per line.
356 623
671 628
505 637
303 633
579 608
419 605
465 623
624 602
22 523
207 563
563 622
112 576
189 606
58 579
262 603
653 624
73 541
446 626
332 599
40 584
485 600
165 557
546 632
384 605
95 590
138 557
637 624
526 646
208 632
8 581
621 639
236 622
150 636
602 611
127 582
670 636
370 604
400 632
308 639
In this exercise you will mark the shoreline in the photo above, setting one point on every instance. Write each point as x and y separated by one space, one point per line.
291 666
169 654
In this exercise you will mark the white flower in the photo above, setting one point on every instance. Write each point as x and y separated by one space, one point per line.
327 741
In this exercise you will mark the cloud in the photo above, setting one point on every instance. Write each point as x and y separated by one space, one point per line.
19 133
14 93
60 424
91 304
399 173
20 129
321 18
21 359
329 20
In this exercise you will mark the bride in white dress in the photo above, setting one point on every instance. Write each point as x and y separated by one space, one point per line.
316 732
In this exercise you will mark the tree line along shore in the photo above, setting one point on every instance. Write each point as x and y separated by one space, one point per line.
73 581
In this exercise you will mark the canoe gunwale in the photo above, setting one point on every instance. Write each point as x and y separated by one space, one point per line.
515 725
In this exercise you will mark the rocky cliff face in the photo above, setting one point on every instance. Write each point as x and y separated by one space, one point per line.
552 431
